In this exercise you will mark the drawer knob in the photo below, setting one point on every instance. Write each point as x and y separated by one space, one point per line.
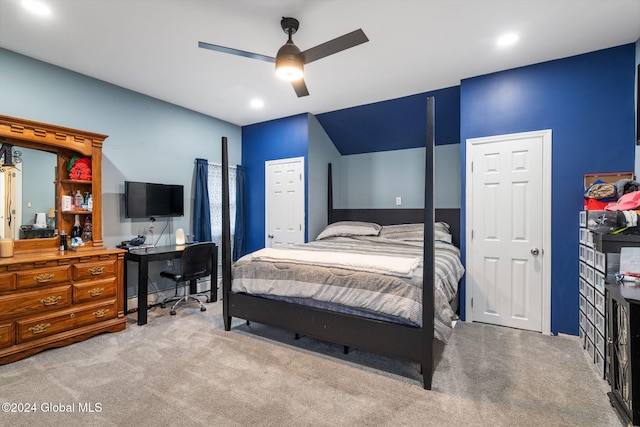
101 313
51 300
96 271
95 292
40 328
44 277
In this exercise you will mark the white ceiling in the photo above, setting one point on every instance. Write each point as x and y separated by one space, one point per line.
151 46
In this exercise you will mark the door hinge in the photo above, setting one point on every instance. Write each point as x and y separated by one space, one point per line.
471 167
471 302
300 227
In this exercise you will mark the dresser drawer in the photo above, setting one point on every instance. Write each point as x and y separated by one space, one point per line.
587 255
33 302
42 277
7 282
42 326
94 270
6 335
94 290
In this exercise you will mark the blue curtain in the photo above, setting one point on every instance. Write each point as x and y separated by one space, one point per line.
239 238
201 212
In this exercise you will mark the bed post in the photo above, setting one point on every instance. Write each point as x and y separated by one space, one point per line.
226 237
329 196
429 251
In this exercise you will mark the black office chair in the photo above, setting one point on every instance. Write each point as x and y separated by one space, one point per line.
196 262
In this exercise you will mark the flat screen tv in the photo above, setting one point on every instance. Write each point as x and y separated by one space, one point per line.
146 200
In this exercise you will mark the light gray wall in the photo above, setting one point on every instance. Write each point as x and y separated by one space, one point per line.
149 140
374 180
321 153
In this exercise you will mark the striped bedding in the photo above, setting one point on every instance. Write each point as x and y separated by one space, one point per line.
347 273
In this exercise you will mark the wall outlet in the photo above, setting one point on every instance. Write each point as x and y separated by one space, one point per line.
398 200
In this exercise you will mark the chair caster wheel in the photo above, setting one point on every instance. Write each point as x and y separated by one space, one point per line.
163 305
203 308
207 300
172 312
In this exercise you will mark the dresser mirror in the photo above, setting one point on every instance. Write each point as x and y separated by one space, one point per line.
27 186
46 152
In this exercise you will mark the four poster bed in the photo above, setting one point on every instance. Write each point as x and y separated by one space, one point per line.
363 283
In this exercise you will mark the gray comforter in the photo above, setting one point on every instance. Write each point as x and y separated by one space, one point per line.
372 276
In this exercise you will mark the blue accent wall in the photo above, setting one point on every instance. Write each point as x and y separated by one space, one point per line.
395 124
273 140
588 102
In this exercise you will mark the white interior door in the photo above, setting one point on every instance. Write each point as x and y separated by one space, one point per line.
284 202
508 230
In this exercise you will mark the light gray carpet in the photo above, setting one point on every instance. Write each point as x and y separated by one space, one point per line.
186 370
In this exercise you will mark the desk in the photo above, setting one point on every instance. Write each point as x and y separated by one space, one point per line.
160 253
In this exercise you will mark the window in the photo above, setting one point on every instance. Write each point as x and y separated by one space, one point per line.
214 185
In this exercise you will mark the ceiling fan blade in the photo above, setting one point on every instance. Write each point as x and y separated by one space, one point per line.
238 52
336 45
300 87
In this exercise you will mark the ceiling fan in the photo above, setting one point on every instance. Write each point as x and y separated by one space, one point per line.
290 60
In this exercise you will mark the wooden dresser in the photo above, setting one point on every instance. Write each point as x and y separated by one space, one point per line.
53 299
49 297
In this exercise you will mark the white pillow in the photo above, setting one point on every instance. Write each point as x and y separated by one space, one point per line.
441 232
350 228
415 232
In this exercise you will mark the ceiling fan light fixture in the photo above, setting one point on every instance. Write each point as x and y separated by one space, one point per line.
289 62
289 73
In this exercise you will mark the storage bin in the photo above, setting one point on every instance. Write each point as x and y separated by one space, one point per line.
586 237
599 361
589 347
590 310
587 273
598 281
583 304
600 343
582 284
587 255
591 330
599 320
598 301
600 261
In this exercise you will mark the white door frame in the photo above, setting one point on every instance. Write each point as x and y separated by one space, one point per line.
266 193
545 135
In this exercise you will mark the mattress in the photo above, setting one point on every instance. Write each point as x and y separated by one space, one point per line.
376 275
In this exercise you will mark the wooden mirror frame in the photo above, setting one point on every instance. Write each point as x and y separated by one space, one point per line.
65 143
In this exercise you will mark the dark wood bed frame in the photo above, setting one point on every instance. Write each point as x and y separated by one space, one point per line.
391 339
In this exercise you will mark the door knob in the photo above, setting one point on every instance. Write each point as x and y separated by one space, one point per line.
270 236
535 251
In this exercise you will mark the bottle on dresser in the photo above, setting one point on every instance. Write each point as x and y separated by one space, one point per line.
76 231
78 200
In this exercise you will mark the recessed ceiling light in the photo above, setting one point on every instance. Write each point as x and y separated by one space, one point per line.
257 103
37 7
507 40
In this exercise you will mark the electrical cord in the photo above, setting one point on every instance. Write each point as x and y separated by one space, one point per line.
161 233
